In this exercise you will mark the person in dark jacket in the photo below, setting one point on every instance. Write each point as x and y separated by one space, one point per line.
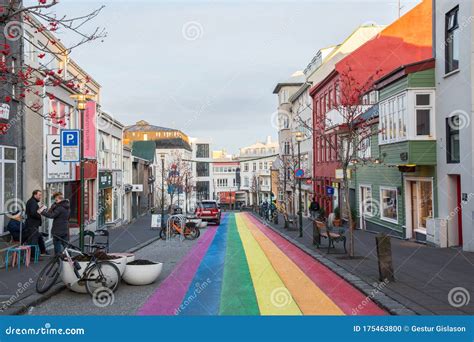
33 221
59 212
14 226
314 208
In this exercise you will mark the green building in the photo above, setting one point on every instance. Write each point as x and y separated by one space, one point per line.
394 178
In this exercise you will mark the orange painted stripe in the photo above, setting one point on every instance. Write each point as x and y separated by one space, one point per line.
310 298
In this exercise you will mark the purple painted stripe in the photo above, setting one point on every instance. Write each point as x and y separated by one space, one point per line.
168 297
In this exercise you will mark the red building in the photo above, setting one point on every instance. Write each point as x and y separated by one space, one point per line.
407 40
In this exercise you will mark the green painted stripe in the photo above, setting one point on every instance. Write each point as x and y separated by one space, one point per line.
238 295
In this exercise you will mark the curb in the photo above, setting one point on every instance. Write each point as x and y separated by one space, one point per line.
389 304
34 299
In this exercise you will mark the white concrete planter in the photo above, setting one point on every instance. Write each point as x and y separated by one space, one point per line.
142 274
121 263
69 277
130 256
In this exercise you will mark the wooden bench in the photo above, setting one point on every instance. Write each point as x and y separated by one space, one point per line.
322 230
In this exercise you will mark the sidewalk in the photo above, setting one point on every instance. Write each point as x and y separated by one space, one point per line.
424 275
17 287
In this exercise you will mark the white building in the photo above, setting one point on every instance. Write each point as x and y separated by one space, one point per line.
226 170
202 170
255 169
454 52
110 185
127 184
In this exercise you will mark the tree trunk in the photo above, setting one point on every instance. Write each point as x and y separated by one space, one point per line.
349 212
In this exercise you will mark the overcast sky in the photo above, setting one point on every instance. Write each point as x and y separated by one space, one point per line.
209 67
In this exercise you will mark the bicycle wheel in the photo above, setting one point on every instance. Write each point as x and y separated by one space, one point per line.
102 274
191 233
165 233
48 275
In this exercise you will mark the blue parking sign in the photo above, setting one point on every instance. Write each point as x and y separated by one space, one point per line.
70 142
70 137
329 190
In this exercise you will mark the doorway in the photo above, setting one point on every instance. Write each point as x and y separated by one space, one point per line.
365 204
419 205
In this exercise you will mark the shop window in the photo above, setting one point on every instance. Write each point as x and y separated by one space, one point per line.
389 210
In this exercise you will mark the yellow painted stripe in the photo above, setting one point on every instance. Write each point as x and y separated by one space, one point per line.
272 296
310 298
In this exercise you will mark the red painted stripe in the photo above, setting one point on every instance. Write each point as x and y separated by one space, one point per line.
348 298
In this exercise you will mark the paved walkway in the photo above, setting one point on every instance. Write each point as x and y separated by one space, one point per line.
424 275
17 285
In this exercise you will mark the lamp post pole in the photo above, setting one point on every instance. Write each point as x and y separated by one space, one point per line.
300 209
82 227
162 191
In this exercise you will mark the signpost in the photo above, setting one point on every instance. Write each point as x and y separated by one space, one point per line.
70 146
299 173
56 169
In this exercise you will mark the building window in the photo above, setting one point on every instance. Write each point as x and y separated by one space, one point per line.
246 167
393 119
389 211
366 200
8 181
202 169
202 150
452 139
202 190
254 167
423 114
246 182
452 40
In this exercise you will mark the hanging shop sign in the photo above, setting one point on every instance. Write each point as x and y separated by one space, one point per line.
4 111
56 169
90 118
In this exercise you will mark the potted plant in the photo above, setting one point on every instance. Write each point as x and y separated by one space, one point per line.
142 272
337 217
69 278
354 218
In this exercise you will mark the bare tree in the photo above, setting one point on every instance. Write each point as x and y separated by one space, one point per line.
345 132
28 79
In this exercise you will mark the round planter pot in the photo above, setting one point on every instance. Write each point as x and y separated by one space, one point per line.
142 274
69 277
121 262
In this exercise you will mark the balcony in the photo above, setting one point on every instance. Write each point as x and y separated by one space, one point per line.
416 152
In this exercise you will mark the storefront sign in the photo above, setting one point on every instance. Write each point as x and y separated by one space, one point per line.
70 145
90 118
105 180
56 169
4 111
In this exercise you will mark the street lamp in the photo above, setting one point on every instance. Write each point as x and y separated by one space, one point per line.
299 138
162 156
81 101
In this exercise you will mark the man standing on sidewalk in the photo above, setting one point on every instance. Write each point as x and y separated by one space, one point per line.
33 220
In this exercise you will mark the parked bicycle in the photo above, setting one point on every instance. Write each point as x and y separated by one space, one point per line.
190 231
97 274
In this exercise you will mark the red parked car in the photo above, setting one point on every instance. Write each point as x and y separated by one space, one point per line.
208 211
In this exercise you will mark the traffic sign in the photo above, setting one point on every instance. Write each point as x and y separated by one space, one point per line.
70 145
299 173
329 190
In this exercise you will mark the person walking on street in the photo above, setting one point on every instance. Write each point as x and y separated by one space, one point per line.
314 208
33 221
60 212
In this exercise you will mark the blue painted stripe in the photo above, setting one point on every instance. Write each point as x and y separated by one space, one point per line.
204 293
